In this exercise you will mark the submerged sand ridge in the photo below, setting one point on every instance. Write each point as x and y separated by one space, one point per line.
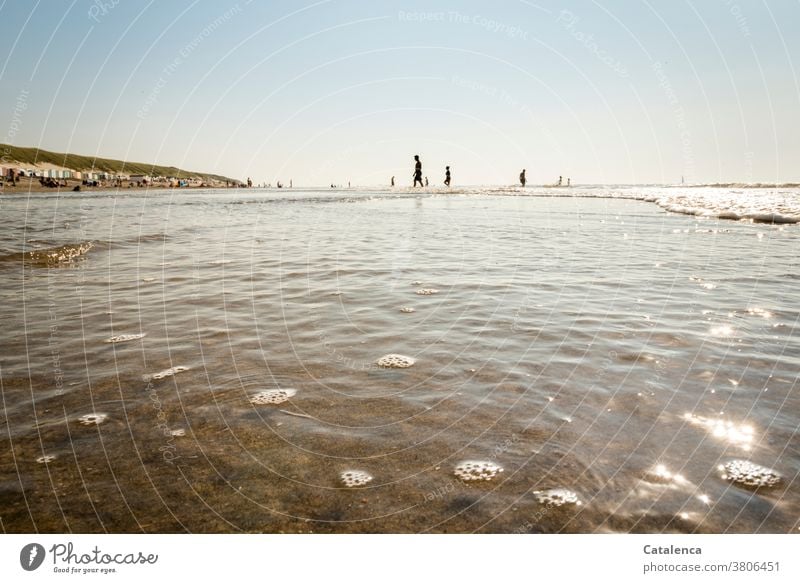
573 347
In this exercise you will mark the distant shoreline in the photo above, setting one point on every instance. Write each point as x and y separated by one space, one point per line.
737 185
27 162
32 186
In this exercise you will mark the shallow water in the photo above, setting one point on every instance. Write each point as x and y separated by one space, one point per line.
602 346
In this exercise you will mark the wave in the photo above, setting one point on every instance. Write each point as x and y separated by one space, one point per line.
774 210
68 253
50 256
759 203
737 185
777 206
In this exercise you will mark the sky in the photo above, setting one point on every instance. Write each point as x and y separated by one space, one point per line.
337 91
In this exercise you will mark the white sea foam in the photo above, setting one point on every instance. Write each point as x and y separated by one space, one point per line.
92 418
778 205
395 361
557 497
476 470
355 478
760 205
427 291
172 371
272 396
124 338
749 474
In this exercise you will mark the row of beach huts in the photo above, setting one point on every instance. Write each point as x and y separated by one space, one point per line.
13 173
62 174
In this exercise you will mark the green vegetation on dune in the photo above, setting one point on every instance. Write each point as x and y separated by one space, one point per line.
35 156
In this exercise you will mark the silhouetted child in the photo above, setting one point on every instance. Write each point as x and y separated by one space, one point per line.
447 176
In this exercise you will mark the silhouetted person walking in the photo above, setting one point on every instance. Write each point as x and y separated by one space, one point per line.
447 176
417 171
522 180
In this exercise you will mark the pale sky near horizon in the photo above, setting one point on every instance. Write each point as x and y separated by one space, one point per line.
343 90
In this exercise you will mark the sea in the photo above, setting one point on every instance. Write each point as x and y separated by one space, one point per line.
491 359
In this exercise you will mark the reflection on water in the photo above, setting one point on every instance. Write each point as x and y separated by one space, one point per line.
736 434
355 362
661 475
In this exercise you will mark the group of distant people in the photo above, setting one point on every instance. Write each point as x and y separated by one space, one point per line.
249 184
52 182
418 176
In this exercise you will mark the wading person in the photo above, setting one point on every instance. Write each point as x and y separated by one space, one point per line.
417 171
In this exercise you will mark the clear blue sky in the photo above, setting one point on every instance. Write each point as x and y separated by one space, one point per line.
338 90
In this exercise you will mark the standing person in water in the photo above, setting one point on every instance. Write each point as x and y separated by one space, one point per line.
447 176
522 179
417 171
